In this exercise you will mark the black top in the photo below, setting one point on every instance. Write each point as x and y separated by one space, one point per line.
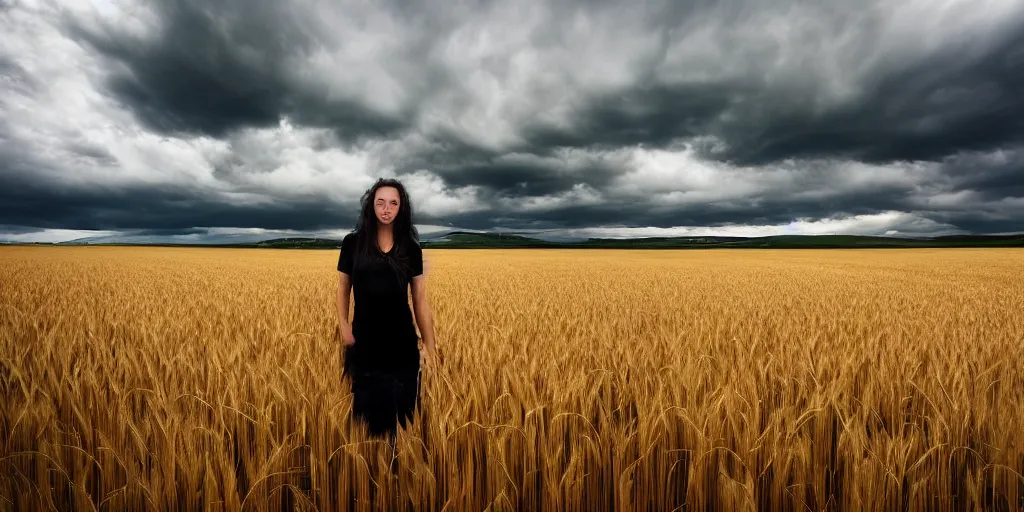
382 323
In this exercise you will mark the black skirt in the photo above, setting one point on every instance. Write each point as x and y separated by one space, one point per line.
384 396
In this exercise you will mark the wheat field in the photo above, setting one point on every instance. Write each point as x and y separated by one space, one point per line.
209 379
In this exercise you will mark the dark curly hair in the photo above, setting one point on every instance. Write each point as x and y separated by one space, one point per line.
405 231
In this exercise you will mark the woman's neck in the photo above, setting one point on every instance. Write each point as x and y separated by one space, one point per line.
385 238
385 235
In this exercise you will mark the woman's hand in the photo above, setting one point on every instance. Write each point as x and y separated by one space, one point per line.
428 356
346 336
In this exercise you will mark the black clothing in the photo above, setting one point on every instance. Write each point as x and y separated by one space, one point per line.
384 361
382 397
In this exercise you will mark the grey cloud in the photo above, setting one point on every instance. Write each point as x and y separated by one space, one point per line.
920 110
525 175
926 111
653 115
780 204
217 66
971 221
95 153
44 206
993 176
638 215
524 116
194 77
811 191
14 77
27 203
16 229
199 76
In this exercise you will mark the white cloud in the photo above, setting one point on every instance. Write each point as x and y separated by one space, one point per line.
893 223
580 194
49 236
80 137
289 161
430 195
679 177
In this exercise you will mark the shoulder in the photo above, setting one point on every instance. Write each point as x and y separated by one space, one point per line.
345 254
415 258
415 249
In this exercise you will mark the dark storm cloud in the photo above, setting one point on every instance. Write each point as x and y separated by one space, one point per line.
522 174
921 110
928 110
42 205
993 177
220 65
767 210
192 77
971 222
655 116
520 115
15 229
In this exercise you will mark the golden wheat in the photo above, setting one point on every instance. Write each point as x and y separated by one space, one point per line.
209 379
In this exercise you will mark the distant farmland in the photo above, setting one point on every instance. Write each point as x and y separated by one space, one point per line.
209 379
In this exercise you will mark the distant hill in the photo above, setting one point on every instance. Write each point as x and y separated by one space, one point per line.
865 242
462 239
494 240
298 243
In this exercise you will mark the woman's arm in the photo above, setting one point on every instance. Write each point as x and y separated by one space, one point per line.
344 286
424 316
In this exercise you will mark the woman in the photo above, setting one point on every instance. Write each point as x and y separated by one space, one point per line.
379 261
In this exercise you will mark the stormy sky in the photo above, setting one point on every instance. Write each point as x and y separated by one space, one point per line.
590 118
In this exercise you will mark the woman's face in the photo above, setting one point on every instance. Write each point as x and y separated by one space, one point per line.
385 204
